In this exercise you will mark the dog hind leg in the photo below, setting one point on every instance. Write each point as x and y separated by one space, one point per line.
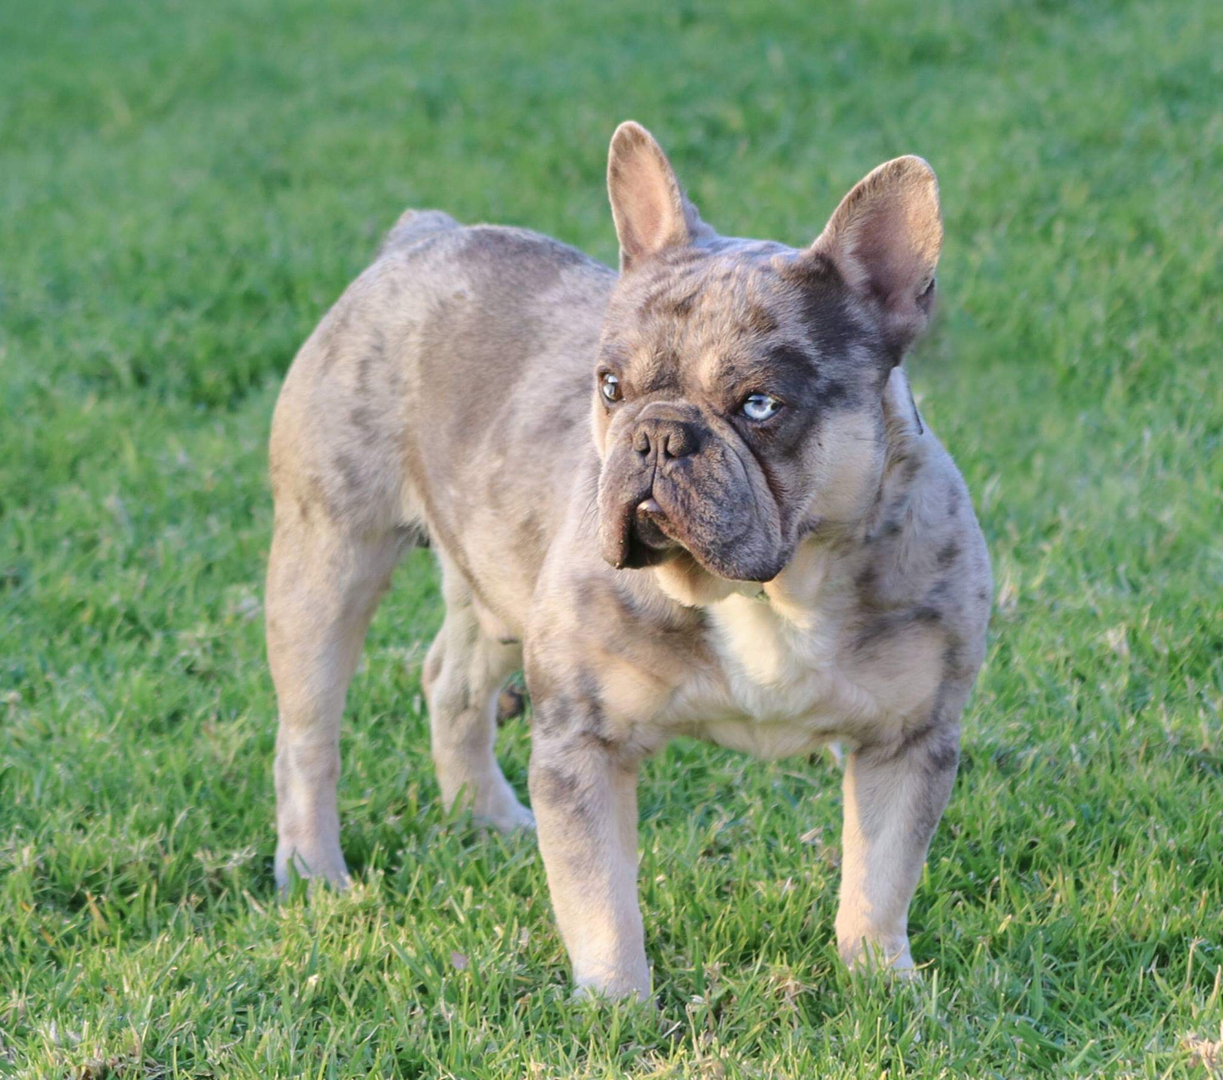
464 672
323 585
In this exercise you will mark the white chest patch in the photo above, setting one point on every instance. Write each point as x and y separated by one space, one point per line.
784 681
776 691
775 670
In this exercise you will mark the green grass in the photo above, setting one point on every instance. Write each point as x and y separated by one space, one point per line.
184 188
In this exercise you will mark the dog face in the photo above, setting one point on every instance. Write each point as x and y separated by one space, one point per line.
738 398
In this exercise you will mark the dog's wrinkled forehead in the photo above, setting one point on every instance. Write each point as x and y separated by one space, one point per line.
717 313
854 299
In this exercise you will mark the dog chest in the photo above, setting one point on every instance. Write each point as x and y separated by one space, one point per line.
775 691
785 686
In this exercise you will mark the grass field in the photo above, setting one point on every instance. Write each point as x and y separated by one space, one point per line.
185 188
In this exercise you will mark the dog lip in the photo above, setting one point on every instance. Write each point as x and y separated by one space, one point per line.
632 537
647 526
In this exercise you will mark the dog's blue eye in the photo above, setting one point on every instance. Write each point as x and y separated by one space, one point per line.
760 407
610 386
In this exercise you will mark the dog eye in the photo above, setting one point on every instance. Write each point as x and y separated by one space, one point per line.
609 386
759 406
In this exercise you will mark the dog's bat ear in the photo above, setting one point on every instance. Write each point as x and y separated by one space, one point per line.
884 239
650 209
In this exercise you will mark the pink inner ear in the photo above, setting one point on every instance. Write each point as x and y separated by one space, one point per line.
886 234
649 208
894 249
643 202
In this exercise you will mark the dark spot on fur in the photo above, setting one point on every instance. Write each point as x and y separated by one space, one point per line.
680 307
591 719
827 313
760 320
531 532
787 357
557 786
813 271
653 299
943 754
948 554
917 735
940 590
953 501
303 508
348 470
954 666
874 631
362 420
888 623
833 392
586 595
333 333
891 518
373 357
319 495
552 710
933 751
565 789
670 625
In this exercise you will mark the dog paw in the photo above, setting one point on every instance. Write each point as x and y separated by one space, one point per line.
318 865
892 957
507 819
492 801
627 981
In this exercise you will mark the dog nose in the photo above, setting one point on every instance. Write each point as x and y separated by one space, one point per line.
665 437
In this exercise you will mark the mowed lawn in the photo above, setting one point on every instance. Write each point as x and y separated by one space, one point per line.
185 188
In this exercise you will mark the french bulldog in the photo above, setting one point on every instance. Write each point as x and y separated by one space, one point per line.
695 497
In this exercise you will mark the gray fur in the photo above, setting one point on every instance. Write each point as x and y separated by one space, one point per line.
660 564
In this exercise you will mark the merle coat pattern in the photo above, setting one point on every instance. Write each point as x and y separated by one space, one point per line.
695 497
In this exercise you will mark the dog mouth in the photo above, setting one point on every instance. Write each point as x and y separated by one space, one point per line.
636 532
640 533
710 507
647 542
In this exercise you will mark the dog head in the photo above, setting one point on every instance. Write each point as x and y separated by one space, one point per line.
738 395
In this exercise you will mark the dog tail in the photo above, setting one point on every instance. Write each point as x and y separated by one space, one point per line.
414 226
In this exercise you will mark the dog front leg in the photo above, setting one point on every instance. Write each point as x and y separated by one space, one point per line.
584 795
893 801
